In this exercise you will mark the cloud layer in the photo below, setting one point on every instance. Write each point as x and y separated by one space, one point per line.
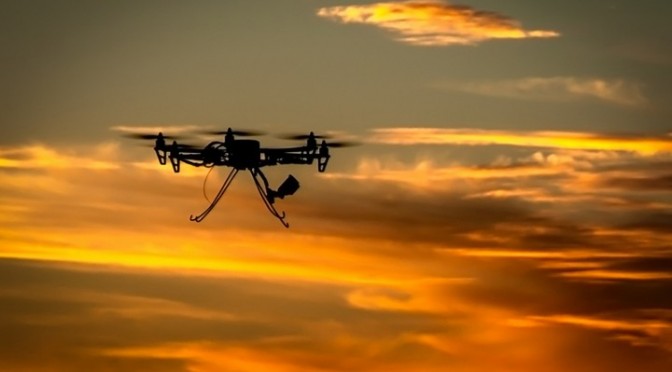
434 23
395 264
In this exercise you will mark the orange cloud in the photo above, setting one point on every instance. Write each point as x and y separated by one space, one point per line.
100 194
617 275
606 324
434 23
372 278
644 145
566 254
211 356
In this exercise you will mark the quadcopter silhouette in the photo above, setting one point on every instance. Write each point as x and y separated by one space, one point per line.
245 154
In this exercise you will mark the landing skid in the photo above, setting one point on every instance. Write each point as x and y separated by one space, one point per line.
267 195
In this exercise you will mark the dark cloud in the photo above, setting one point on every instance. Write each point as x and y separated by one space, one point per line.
660 183
399 214
657 264
654 221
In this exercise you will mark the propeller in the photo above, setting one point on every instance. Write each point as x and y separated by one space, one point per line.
149 136
296 136
340 144
180 146
242 133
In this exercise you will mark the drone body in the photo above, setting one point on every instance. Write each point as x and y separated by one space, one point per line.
245 154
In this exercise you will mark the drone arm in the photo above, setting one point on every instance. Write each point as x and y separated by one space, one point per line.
289 155
193 162
176 155
175 161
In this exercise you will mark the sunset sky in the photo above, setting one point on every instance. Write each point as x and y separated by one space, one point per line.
509 208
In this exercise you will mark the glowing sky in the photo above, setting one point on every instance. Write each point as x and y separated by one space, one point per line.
510 207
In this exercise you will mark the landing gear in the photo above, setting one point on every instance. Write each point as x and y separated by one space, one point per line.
267 194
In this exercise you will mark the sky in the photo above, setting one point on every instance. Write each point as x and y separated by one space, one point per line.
509 207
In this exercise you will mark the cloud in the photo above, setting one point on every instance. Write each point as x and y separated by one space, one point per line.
434 23
618 275
640 144
560 88
650 183
427 175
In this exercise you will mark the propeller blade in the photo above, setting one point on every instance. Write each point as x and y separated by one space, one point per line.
294 136
148 136
342 144
180 146
242 133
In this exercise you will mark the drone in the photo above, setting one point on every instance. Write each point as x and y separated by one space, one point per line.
245 154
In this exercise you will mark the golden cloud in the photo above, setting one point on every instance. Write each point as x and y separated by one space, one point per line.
39 156
434 23
100 194
644 145
155 129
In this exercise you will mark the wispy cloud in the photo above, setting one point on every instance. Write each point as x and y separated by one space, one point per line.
434 23
426 174
43 157
558 88
540 139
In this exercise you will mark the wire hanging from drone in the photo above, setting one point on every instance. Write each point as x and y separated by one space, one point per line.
204 182
222 190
